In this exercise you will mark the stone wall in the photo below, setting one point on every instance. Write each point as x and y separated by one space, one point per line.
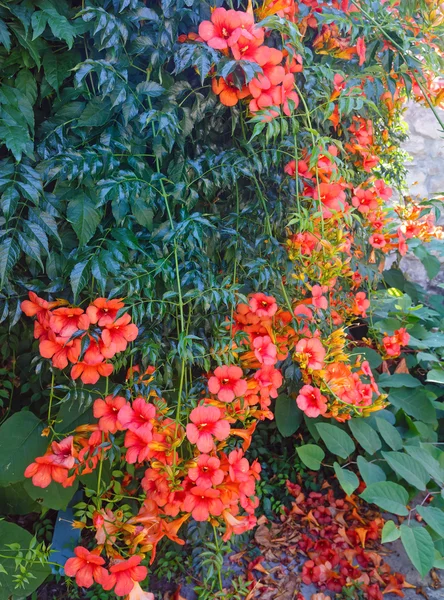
425 176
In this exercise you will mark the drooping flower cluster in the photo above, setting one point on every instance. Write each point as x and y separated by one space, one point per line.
235 34
203 481
85 339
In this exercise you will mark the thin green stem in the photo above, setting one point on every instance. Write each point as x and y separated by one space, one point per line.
219 574
51 396
99 477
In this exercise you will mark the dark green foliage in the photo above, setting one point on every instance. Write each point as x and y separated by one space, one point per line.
118 175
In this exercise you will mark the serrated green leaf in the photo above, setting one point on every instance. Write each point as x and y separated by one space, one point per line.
40 236
142 213
337 441
150 89
9 201
46 222
84 217
32 46
61 28
56 69
96 113
30 247
5 36
100 272
9 254
16 139
79 277
38 22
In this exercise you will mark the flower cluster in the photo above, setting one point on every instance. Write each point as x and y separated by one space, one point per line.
173 482
85 338
392 344
236 35
122 577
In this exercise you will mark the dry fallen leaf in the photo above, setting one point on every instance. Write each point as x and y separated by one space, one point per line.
402 367
288 588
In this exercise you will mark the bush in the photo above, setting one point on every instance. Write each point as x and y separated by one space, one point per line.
197 206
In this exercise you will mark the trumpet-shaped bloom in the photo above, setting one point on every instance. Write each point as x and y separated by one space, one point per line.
377 240
207 471
107 411
203 502
332 197
65 321
364 200
86 567
206 424
239 466
59 349
269 380
228 93
264 350
402 335
310 353
361 304
224 28
263 306
137 444
248 42
311 401
237 525
138 594
103 311
54 465
318 300
227 383
116 335
92 366
281 94
63 452
43 471
35 305
156 486
124 574
138 416
273 73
